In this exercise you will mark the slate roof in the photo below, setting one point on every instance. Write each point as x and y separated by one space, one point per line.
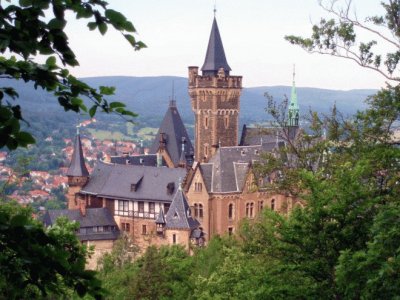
226 171
174 130
114 181
259 135
77 166
94 217
215 56
178 215
137 160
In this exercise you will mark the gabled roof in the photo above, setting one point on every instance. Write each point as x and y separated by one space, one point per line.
226 171
94 217
174 130
178 215
215 56
115 181
77 166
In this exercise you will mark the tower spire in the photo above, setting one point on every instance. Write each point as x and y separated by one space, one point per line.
293 111
77 167
215 56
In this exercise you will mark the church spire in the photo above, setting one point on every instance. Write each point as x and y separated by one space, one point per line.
293 118
77 168
215 56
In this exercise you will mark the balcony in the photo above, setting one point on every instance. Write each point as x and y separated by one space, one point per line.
136 214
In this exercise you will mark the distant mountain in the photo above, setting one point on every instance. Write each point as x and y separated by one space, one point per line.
149 97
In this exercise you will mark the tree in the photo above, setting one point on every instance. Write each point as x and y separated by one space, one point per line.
337 37
36 27
36 262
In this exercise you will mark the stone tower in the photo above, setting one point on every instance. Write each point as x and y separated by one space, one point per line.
77 174
215 97
293 111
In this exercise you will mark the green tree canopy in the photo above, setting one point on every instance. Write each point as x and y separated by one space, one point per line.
36 27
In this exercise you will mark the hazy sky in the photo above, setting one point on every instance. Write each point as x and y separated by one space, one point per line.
177 31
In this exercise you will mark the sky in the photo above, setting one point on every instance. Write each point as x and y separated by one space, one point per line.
177 32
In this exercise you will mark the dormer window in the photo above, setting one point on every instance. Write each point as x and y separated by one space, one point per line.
133 187
170 188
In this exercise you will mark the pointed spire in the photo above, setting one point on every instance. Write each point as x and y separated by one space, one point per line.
215 56
293 119
182 159
172 100
161 217
77 167
178 215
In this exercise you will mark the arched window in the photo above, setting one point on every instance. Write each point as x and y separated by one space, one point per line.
196 210
260 205
206 122
230 211
250 210
226 122
206 150
200 211
273 204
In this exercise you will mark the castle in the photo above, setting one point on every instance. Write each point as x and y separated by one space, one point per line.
180 194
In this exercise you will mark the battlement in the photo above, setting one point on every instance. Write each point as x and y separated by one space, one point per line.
218 81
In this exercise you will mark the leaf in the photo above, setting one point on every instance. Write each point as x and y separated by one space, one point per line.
25 3
107 90
92 25
56 24
114 105
115 17
51 61
103 28
25 138
92 111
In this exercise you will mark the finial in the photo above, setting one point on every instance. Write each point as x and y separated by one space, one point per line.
294 71
180 184
183 144
215 8
77 129
172 102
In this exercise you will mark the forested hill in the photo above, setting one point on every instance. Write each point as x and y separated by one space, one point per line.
148 96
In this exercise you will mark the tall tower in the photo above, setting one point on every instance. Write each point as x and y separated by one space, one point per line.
215 97
77 173
293 111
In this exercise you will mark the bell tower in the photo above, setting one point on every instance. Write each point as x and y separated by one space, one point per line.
215 98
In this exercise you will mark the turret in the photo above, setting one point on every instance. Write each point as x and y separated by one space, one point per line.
77 173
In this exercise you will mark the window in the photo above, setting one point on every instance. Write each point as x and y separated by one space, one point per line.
273 204
230 211
230 230
144 229
250 210
206 122
198 186
126 227
152 207
206 150
174 238
226 122
260 205
133 185
141 206
166 207
123 205
198 210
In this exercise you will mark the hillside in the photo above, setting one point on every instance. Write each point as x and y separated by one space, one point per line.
148 96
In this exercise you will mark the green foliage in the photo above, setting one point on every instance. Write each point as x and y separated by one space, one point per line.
26 33
37 262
